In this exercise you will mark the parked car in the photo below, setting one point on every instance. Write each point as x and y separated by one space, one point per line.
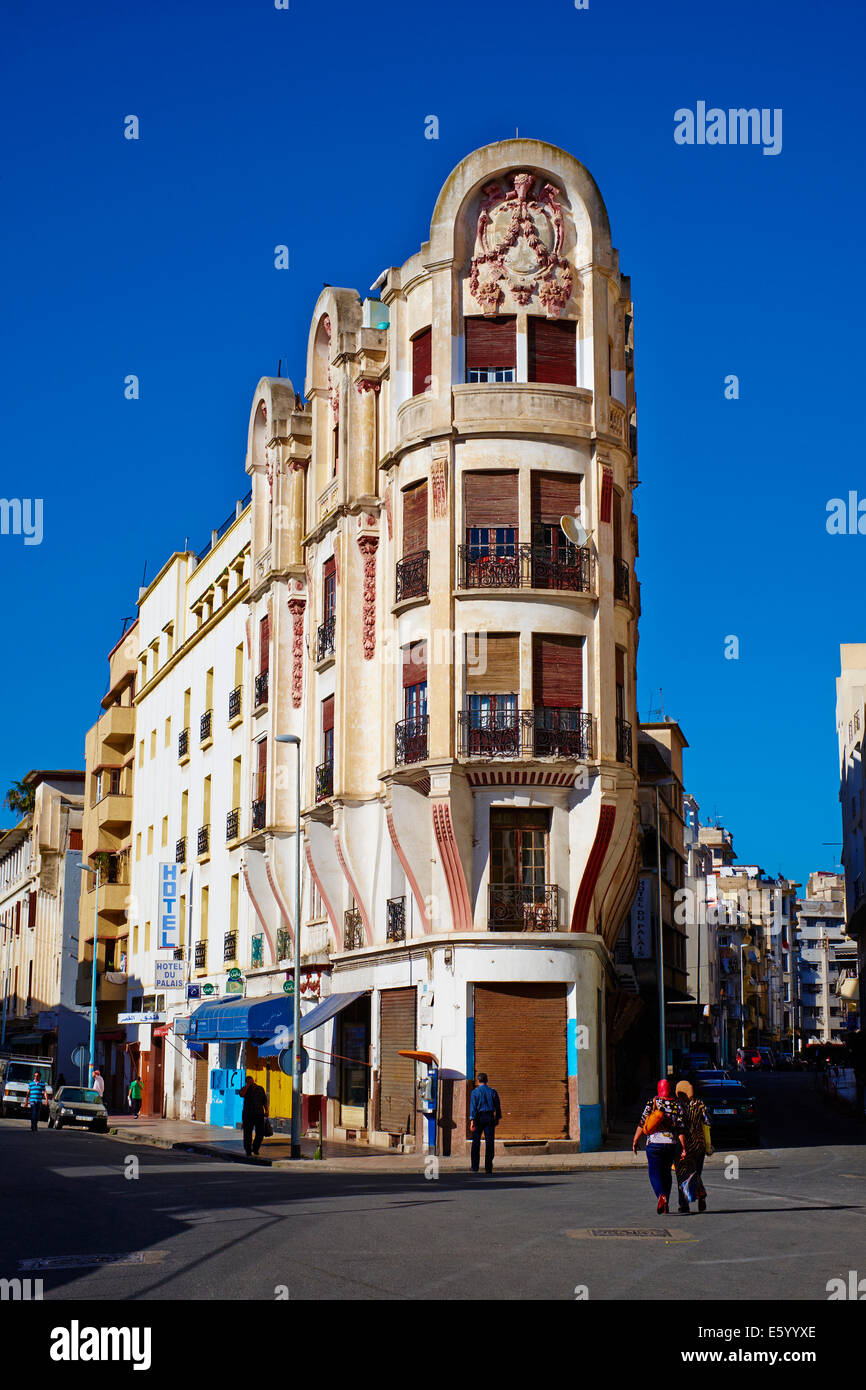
16 1073
768 1058
707 1078
732 1110
76 1105
749 1058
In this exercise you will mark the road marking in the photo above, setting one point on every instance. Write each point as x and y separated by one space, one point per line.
757 1259
102 1170
130 1257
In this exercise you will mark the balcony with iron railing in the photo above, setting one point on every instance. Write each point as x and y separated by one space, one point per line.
203 841
621 578
257 951
396 929
180 851
183 744
325 780
523 907
523 566
201 955
413 576
230 946
527 733
353 929
206 727
284 944
179 953
235 703
261 689
259 813
325 638
233 821
410 741
623 741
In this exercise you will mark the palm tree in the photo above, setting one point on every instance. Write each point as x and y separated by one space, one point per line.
21 798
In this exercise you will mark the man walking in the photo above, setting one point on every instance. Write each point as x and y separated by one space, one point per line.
35 1097
485 1112
98 1083
135 1095
253 1115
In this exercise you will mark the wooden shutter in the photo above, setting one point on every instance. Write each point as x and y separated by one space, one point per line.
620 666
264 644
397 1074
490 499
554 495
330 568
553 351
415 519
499 674
606 493
31 909
557 672
327 714
520 1042
261 769
414 664
422 346
490 343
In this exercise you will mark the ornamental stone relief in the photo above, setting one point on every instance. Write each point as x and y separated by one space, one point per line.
519 247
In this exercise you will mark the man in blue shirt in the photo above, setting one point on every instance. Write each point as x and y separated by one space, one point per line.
35 1096
485 1112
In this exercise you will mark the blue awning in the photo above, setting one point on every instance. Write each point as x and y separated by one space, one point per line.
322 1013
235 1020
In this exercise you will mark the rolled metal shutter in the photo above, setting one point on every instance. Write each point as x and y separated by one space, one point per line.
397 1074
553 351
422 345
491 344
415 519
557 672
201 1077
520 1042
554 495
490 499
499 672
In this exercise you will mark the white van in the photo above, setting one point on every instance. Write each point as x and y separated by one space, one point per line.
16 1073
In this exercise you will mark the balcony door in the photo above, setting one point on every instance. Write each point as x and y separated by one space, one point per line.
519 843
491 517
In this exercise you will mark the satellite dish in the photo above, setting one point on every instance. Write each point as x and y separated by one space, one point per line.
573 531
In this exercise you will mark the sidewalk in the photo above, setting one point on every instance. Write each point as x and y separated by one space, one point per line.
191 1137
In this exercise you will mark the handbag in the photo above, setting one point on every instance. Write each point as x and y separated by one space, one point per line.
708 1142
268 1130
654 1120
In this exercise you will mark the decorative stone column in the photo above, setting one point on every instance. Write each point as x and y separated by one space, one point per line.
364 472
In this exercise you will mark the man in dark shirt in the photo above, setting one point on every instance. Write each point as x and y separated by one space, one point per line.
485 1112
253 1115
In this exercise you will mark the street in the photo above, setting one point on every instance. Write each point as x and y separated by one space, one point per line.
788 1218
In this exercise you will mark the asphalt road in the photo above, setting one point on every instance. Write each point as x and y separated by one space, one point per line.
782 1221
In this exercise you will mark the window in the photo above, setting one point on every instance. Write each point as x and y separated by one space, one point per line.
205 905
328 730
135 940
264 644
329 590
165 830
421 361
491 349
141 753
146 937
552 351
518 865
415 682
150 839
491 516
153 743
261 779
138 845
167 743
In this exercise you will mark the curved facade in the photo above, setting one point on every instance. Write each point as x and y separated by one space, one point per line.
461 675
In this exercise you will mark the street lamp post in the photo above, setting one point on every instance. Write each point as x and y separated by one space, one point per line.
663 1052
86 869
296 1035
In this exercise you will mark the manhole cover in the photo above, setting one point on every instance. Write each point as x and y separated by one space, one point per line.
623 1233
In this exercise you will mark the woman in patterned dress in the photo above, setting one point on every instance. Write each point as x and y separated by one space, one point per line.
664 1144
694 1118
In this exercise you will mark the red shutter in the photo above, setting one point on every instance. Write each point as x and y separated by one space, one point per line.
554 495
414 664
553 351
491 499
422 356
606 493
329 568
261 769
490 343
557 672
327 714
31 910
415 519
264 644
18 918
75 835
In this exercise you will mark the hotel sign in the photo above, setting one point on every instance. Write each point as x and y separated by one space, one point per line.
641 921
168 920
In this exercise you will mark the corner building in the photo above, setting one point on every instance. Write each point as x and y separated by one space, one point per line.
461 675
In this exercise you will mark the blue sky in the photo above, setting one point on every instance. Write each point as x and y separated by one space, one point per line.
262 126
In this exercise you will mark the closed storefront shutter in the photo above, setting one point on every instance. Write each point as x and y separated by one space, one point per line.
491 499
557 672
421 360
552 351
554 495
200 1088
497 669
397 1089
415 519
520 1042
491 344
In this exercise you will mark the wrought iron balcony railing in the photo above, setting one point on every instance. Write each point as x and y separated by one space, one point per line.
183 743
206 726
353 929
233 820
325 638
523 907
230 946
620 578
623 741
261 689
526 567
413 575
204 839
324 781
525 733
235 702
411 741
257 951
180 851
396 930
259 817
179 953
201 955
284 944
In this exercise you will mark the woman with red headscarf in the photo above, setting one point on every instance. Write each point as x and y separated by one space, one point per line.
662 1125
